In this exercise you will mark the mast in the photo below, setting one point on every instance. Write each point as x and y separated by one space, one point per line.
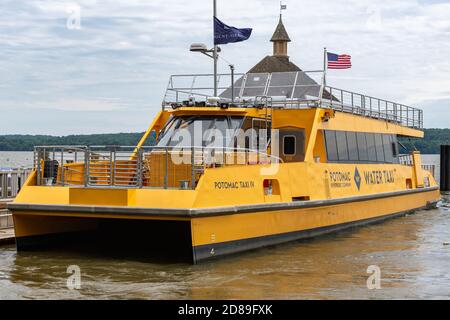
215 57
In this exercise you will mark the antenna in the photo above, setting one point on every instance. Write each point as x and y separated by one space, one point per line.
282 7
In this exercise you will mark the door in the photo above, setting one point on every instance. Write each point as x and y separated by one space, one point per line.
292 144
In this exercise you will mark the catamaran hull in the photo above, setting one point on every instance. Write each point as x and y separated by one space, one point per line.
204 234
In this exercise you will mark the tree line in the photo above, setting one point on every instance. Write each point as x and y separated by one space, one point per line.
434 138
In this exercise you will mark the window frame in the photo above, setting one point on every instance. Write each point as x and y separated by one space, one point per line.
331 134
284 145
348 134
381 151
365 147
344 135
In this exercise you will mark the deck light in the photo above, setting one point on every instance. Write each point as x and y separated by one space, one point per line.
212 53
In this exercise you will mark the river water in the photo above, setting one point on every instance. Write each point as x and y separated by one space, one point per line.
412 253
16 159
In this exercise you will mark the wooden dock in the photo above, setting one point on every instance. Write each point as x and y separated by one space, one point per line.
6 224
7 236
11 181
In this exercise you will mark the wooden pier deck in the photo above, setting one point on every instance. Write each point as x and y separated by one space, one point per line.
11 180
6 224
7 236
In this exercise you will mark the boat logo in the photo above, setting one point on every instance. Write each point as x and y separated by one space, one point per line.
357 179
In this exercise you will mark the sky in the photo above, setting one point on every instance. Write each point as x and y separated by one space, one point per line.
102 66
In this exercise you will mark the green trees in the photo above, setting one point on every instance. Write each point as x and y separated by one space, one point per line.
434 138
27 142
431 144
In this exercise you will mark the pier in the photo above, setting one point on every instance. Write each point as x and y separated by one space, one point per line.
11 180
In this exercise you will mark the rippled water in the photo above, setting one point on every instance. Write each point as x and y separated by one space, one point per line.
411 252
16 159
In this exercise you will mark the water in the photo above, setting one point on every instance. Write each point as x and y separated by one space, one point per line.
13 159
411 251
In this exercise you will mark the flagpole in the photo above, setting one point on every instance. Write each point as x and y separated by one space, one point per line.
325 69
325 66
215 53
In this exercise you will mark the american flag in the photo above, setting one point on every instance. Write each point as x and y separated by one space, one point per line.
339 61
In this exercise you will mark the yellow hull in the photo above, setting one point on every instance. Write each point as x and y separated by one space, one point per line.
229 208
216 232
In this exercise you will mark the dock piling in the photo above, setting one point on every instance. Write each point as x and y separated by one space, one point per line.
445 168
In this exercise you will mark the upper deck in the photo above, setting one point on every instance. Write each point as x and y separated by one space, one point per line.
284 90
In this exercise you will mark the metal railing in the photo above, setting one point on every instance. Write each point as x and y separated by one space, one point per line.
286 90
129 167
6 220
407 160
356 103
11 181
431 168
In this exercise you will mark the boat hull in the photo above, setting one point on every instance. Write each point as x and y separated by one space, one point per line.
209 233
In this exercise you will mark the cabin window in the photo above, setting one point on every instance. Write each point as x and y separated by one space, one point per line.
379 147
362 146
341 139
387 146
330 141
187 131
289 145
371 149
395 151
292 144
352 146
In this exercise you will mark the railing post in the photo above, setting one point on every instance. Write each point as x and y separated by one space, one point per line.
38 166
166 177
192 167
3 185
331 97
140 171
87 155
112 167
62 167
353 102
395 112
379 109
363 105
13 184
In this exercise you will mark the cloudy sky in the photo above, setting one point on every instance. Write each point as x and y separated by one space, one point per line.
107 71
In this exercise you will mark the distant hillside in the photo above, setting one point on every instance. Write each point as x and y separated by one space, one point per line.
27 142
434 138
432 142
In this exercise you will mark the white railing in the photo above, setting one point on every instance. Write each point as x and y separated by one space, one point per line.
11 181
131 167
283 90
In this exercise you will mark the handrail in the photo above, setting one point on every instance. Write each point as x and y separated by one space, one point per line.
11 181
123 166
312 95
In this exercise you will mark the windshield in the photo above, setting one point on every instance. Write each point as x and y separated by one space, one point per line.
187 131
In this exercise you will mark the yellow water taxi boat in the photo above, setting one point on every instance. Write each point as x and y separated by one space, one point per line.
276 157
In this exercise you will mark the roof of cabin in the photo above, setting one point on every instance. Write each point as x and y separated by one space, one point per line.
274 64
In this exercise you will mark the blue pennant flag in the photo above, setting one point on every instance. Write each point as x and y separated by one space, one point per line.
224 34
